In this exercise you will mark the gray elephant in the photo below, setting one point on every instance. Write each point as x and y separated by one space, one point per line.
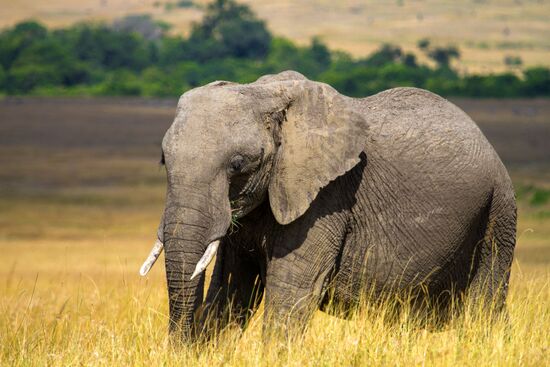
303 192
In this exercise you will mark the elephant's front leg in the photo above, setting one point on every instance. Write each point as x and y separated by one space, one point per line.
296 281
234 293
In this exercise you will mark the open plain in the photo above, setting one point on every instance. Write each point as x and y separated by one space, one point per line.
81 192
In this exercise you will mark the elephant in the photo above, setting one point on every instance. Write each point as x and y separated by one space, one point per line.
300 192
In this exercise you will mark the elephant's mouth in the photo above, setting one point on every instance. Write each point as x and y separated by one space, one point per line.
240 206
247 191
240 193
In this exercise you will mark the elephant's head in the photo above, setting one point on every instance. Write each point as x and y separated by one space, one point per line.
230 147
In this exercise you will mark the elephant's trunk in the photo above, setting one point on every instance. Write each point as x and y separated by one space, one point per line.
183 250
192 221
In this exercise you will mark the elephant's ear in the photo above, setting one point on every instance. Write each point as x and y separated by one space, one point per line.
321 138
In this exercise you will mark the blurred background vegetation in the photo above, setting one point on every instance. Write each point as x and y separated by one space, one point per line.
139 56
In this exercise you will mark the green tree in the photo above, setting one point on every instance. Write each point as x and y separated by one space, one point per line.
16 40
386 54
536 82
423 44
443 55
47 51
320 53
172 50
409 59
108 48
229 29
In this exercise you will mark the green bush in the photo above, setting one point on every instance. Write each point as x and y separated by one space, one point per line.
540 197
2 78
121 83
536 82
23 79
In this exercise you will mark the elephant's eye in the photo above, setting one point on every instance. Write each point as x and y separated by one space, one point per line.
236 164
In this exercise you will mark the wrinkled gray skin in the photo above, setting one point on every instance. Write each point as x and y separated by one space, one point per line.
330 193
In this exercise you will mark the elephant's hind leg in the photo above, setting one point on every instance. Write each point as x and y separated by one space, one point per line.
494 253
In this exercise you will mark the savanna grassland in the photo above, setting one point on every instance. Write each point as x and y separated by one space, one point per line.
485 31
81 193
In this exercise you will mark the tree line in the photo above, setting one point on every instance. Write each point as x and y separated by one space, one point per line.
139 56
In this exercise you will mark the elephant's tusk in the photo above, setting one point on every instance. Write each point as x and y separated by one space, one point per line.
152 258
206 258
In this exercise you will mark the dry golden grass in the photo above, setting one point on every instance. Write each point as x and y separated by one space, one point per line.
76 223
485 31
70 294
81 302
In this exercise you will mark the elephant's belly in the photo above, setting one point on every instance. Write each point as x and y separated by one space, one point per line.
392 260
